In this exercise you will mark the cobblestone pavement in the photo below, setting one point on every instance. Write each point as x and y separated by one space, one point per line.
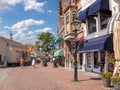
49 78
4 73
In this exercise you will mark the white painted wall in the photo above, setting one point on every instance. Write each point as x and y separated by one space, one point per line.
86 3
114 6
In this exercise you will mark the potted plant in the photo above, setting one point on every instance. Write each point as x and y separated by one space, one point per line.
116 81
106 77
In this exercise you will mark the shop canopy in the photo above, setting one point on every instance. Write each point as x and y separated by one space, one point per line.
59 53
96 6
98 44
83 15
59 38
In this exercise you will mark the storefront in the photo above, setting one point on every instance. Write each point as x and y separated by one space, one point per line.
95 52
95 18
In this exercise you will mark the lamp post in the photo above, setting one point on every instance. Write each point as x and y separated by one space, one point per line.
75 24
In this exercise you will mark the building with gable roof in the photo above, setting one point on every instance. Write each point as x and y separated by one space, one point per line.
11 51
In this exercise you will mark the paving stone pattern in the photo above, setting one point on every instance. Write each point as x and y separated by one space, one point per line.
49 78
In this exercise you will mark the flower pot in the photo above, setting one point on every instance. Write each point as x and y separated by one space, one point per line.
106 82
116 86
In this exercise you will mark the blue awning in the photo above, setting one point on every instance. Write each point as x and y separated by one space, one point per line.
98 44
98 5
83 15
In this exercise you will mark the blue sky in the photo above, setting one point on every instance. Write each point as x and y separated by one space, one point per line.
27 18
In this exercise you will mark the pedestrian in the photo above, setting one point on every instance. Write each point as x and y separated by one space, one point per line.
45 62
21 62
33 63
55 63
51 61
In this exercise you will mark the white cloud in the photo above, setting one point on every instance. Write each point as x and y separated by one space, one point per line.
7 27
6 4
29 34
24 38
49 11
27 4
34 5
23 25
47 29
4 34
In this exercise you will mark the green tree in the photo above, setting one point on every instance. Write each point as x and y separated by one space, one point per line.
37 45
44 41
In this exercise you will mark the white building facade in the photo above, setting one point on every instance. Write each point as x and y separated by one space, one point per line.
96 20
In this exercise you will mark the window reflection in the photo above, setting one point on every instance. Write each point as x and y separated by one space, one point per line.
91 25
104 18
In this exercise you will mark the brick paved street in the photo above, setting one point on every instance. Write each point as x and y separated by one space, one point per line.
49 78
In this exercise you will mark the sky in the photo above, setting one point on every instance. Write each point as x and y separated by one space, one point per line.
27 18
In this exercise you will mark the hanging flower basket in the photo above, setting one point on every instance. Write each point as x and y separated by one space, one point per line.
79 41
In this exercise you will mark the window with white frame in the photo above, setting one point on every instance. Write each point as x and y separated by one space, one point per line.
67 22
67 19
91 25
104 18
89 62
74 15
67 28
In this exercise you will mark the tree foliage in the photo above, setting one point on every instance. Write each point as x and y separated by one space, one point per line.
44 41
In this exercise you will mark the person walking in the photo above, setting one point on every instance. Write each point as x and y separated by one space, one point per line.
33 63
21 62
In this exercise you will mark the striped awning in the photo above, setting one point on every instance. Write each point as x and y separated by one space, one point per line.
98 5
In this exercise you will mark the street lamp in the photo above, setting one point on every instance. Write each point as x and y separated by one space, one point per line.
75 24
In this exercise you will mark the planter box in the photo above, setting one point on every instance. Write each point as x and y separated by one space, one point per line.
116 86
106 83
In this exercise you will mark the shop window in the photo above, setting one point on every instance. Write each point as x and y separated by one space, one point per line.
104 18
102 58
89 63
95 59
91 25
